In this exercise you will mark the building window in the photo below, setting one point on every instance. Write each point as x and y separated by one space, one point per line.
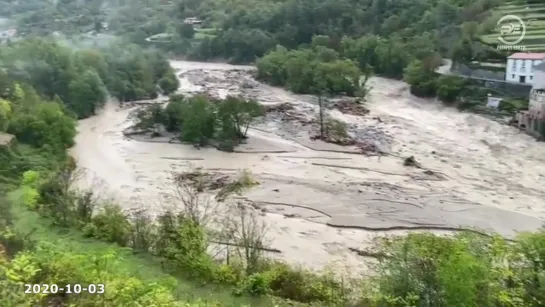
513 76
514 64
531 77
523 64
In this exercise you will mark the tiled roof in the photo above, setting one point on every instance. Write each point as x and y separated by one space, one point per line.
527 56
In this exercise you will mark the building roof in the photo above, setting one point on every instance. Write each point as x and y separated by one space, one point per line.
527 56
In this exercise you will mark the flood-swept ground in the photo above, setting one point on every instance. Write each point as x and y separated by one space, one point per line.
320 200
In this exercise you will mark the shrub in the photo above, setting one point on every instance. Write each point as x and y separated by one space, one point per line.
303 285
255 284
198 121
112 225
449 88
465 270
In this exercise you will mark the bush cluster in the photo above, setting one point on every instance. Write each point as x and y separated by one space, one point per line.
201 121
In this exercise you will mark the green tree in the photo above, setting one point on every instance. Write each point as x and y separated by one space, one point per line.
186 31
340 76
272 68
44 124
5 114
174 113
169 83
449 88
198 121
87 93
421 77
236 115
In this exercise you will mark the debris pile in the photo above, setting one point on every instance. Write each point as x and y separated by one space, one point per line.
368 147
280 108
373 139
203 181
287 113
335 139
350 107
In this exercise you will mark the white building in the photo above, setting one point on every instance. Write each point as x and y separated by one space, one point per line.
520 67
7 35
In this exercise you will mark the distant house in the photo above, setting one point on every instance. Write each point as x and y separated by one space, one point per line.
520 67
8 34
192 21
6 139
533 120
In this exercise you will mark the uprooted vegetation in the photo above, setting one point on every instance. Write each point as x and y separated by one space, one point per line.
350 106
223 184
201 120
322 126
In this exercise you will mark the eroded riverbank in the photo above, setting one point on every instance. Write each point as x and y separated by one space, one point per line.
491 173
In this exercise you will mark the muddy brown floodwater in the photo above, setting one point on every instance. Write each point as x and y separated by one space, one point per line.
491 175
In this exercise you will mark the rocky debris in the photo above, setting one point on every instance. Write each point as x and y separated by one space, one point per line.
368 253
133 131
335 139
235 82
411 161
291 215
368 148
281 108
375 138
288 113
203 181
349 106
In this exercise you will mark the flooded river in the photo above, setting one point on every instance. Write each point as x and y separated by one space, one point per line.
492 175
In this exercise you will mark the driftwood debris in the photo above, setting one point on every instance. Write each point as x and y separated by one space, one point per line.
350 107
366 253
266 249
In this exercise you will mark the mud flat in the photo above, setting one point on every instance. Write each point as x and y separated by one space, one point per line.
321 200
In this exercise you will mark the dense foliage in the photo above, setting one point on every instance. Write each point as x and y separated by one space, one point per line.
202 121
244 30
81 79
291 23
310 71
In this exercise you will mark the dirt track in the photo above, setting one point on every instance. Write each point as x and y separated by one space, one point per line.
485 175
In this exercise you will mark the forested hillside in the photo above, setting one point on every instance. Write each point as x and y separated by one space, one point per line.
82 78
250 28
245 29
369 36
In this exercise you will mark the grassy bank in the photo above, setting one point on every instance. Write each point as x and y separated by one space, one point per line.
148 268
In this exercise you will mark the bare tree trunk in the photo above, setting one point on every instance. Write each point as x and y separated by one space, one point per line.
320 104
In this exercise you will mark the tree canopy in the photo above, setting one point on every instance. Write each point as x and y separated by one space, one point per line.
83 78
